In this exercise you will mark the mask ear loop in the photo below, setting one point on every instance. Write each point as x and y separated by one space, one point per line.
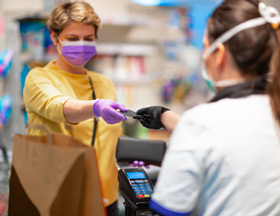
58 41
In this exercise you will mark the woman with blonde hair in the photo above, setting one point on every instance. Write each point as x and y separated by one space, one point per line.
64 92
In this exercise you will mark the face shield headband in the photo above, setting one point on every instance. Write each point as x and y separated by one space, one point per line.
268 15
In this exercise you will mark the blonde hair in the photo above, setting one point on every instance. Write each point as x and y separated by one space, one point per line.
69 11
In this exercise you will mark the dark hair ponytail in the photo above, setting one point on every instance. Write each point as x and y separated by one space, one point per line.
274 86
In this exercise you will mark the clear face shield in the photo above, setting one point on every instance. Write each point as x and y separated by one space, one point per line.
269 15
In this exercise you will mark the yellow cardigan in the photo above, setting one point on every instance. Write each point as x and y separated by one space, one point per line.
45 93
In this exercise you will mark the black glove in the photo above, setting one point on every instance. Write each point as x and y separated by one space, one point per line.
150 117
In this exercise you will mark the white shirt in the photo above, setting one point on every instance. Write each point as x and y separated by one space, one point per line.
223 159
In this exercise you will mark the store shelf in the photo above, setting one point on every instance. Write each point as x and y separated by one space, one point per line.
28 57
128 21
125 49
132 80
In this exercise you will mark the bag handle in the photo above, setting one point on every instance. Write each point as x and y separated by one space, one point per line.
42 128
4 152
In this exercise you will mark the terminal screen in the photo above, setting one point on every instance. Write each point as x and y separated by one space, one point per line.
136 175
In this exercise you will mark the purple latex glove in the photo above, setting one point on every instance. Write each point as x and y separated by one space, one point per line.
139 164
107 110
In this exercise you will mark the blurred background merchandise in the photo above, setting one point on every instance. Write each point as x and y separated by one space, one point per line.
150 49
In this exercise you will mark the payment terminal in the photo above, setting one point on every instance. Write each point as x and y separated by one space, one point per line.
134 184
136 188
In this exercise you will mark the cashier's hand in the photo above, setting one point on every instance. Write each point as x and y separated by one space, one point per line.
107 109
139 164
150 117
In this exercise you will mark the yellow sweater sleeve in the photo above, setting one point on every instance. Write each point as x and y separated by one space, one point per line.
42 97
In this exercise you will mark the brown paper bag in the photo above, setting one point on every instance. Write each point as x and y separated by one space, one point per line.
54 175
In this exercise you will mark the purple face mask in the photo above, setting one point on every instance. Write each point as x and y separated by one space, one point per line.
78 52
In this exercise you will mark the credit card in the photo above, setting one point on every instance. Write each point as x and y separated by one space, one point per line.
132 114
129 113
